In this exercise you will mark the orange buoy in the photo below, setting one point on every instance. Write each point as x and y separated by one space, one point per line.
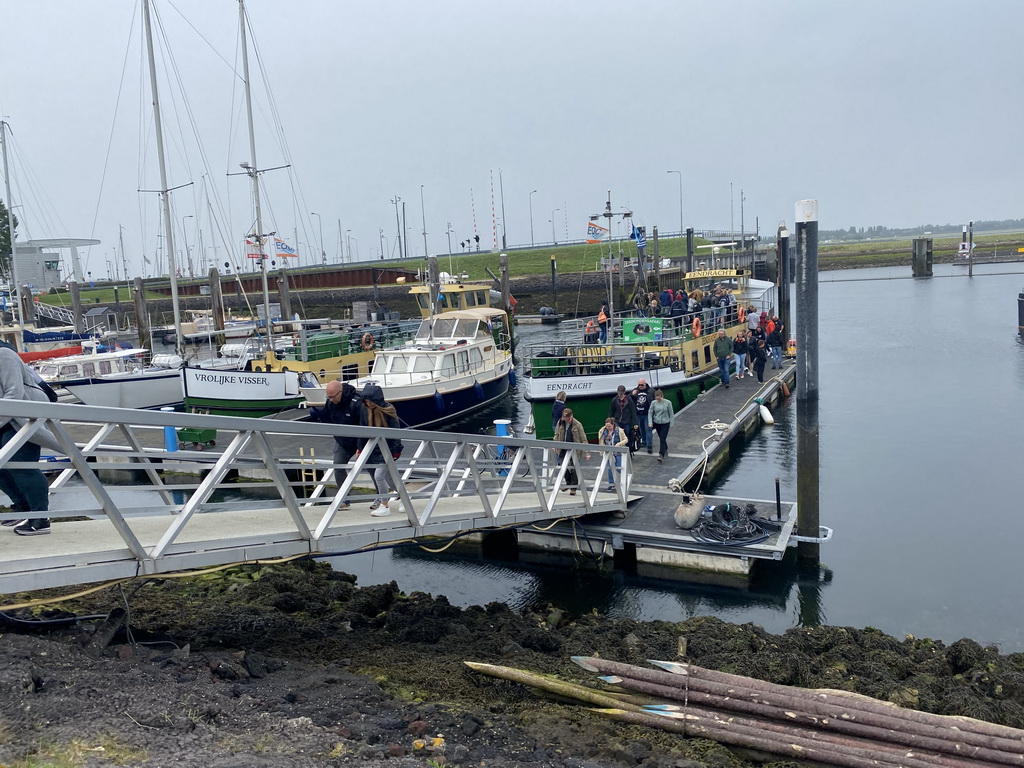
695 328
367 342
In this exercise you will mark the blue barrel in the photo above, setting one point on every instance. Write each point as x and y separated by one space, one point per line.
170 434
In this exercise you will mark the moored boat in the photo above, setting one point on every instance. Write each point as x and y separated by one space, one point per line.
672 355
460 360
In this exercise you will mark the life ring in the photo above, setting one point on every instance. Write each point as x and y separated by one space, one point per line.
367 342
743 315
695 327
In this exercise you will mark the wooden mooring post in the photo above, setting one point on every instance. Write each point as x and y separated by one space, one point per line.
807 457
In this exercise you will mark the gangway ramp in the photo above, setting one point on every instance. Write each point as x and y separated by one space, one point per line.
443 485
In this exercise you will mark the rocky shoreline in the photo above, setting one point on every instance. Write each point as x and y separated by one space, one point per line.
291 665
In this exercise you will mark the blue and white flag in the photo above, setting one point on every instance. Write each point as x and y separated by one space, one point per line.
283 249
641 239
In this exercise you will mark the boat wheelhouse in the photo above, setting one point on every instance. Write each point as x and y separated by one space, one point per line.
460 360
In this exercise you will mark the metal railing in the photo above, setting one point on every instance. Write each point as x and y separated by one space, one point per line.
443 484
54 312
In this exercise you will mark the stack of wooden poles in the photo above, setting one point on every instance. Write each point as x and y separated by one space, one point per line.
827 727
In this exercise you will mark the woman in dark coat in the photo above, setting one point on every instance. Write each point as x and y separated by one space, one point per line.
377 412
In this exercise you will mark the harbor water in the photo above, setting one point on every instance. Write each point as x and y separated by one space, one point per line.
922 423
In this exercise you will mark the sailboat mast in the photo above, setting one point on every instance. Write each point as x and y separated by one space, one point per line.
165 194
16 314
254 173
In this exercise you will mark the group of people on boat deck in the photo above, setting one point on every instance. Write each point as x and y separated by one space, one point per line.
633 419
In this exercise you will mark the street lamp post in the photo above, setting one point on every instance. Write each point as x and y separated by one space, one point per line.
320 225
348 244
531 218
680 201
184 236
554 237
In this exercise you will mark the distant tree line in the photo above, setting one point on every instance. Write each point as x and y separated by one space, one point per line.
887 233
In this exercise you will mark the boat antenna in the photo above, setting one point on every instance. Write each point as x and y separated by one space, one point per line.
165 193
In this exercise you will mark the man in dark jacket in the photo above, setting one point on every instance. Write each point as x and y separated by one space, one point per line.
643 396
342 407
623 409
665 299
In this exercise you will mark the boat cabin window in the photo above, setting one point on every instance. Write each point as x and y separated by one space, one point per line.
448 365
475 357
470 298
447 328
423 364
399 364
423 300
481 299
463 361
89 369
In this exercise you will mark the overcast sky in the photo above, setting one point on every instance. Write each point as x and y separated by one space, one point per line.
893 113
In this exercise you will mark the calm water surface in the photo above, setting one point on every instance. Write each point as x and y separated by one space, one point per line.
922 424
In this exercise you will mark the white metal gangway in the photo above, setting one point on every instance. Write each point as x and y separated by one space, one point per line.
140 508
55 312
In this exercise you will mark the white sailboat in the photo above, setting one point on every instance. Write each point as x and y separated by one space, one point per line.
241 393
158 384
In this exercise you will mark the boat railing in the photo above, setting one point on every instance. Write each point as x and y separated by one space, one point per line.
167 518
312 345
549 360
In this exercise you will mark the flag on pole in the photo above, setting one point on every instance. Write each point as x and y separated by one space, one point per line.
638 235
251 244
283 249
595 232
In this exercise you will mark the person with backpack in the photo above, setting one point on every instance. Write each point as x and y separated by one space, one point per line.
341 406
760 358
377 412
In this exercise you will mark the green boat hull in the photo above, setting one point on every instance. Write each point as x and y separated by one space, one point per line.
593 410
246 408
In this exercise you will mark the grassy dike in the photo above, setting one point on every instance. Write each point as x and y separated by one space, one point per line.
572 259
